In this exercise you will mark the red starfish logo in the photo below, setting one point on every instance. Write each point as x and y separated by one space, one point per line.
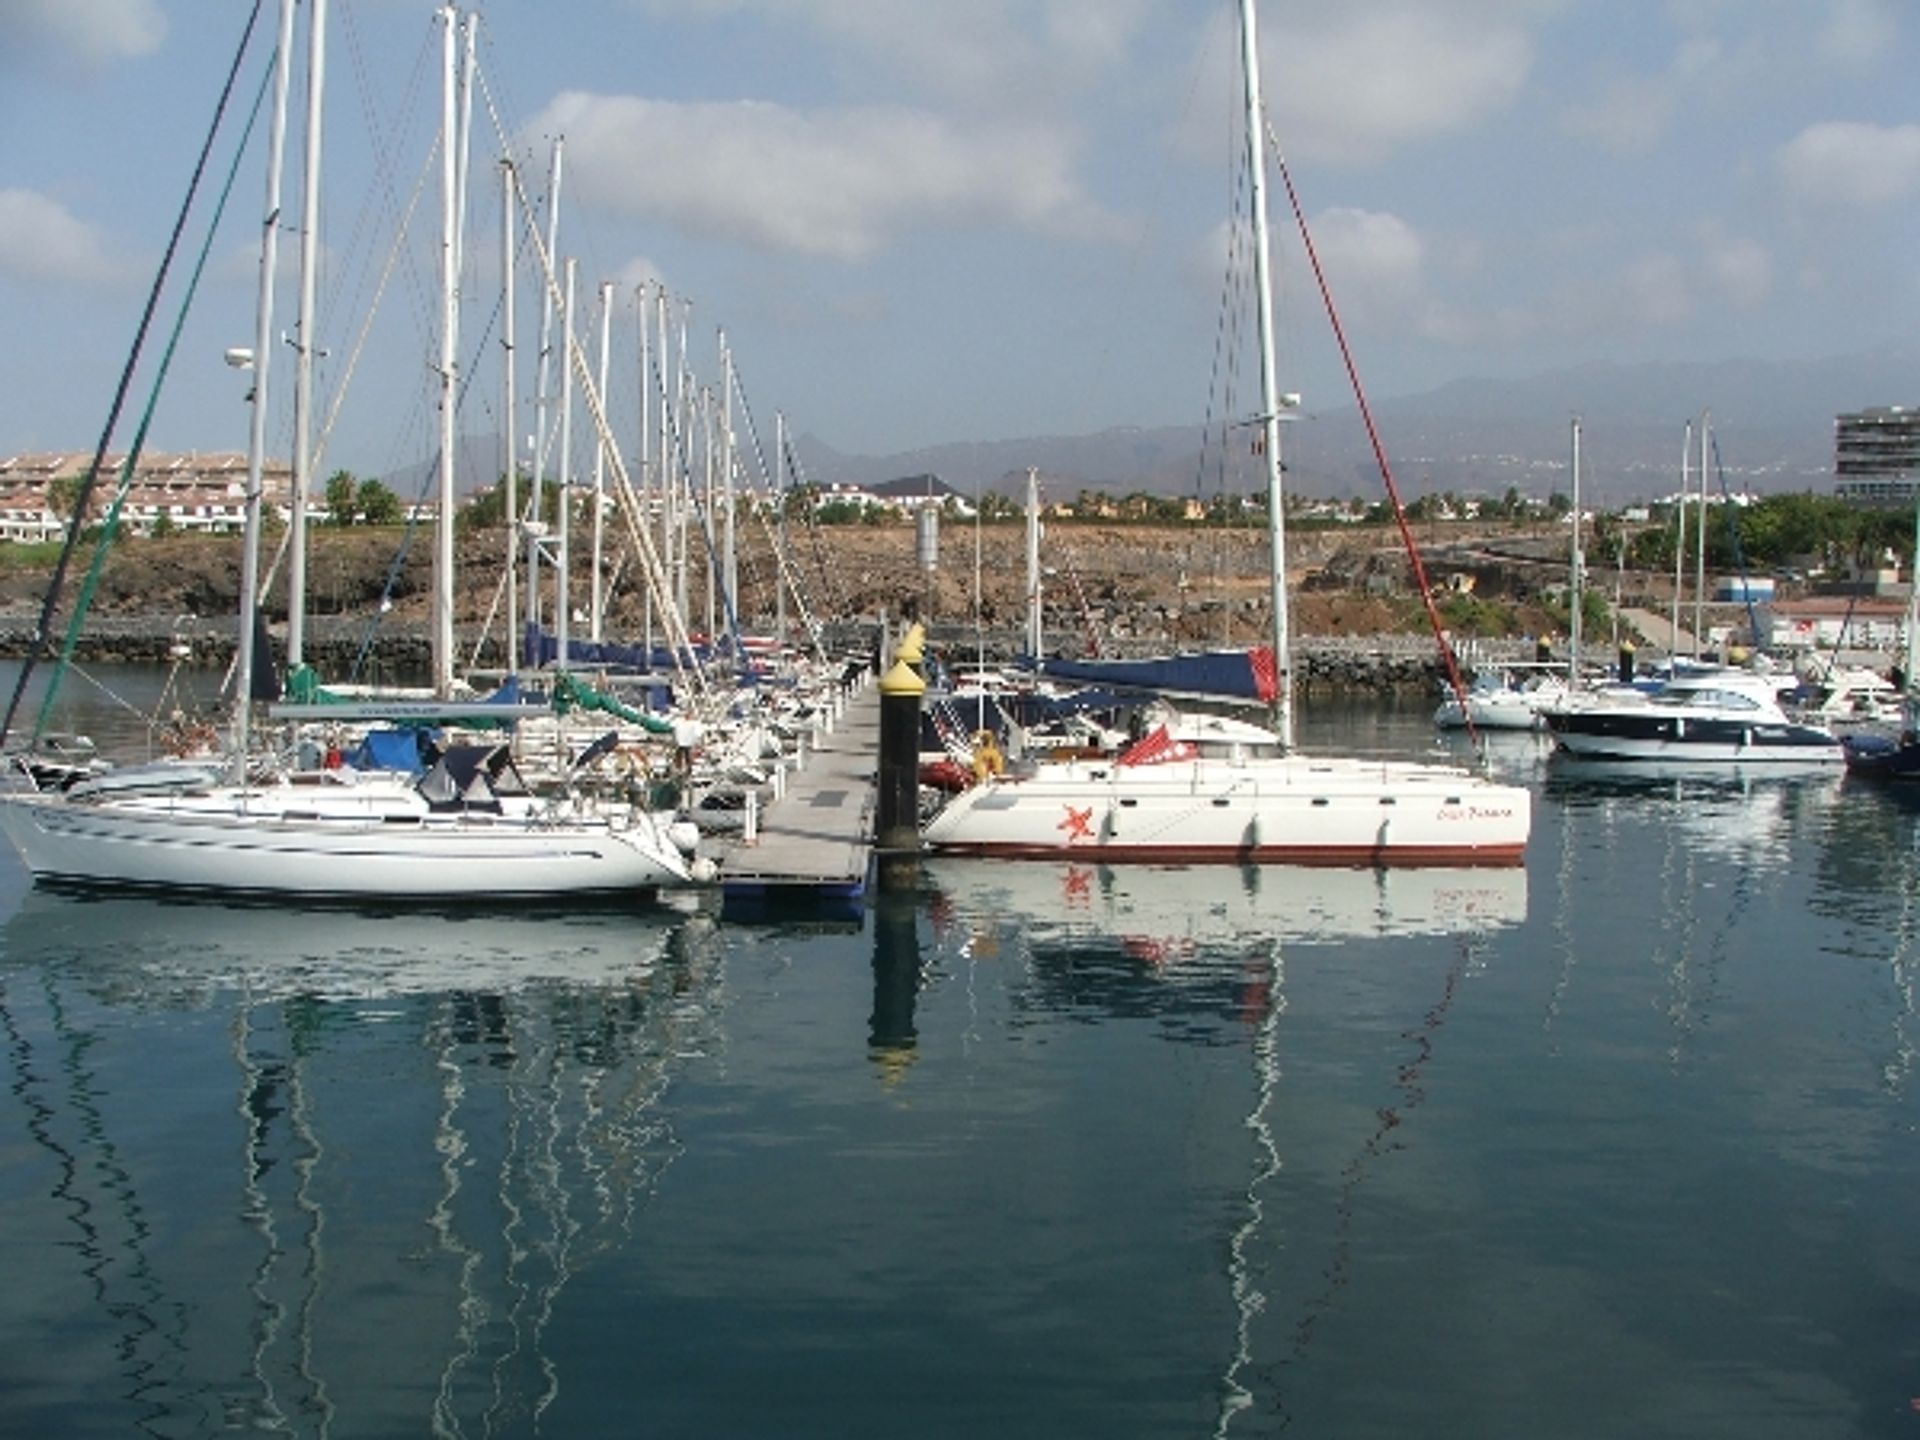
1078 824
1077 885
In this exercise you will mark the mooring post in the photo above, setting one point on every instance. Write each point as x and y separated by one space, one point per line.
897 807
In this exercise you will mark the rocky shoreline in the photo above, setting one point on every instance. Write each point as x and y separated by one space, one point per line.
401 651
1142 590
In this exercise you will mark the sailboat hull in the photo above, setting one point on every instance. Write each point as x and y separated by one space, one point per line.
1292 810
157 845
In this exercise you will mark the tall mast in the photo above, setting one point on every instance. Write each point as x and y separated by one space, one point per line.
729 552
1700 540
684 411
1680 542
562 560
709 419
664 470
1910 662
449 340
1035 629
780 527
257 399
535 526
604 438
648 470
510 420
1269 418
1577 572
305 341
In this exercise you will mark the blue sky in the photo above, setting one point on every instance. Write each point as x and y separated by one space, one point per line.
927 221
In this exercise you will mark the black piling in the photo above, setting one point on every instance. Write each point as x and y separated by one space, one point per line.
897 806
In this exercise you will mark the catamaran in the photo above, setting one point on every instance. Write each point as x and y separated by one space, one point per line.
1204 788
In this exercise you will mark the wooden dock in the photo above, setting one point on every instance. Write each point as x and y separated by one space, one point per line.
813 844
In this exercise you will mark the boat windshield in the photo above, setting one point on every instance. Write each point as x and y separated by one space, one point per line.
1706 699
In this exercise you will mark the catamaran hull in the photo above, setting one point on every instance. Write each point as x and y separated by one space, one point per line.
1194 816
110 846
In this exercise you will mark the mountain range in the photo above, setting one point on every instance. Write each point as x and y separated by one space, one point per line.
1771 426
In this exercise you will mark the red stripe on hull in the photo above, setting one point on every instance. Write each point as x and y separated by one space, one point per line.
1348 856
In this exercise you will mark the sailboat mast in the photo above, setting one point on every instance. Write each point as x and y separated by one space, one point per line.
541 401
257 399
1700 541
780 526
1911 656
509 420
563 556
1035 629
605 438
1577 574
305 343
649 471
449 313
730 540
1680 544
1269 418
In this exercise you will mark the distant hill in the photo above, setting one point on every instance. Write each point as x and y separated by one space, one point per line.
1772 422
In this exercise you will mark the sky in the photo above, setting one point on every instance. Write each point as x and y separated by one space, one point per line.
921 222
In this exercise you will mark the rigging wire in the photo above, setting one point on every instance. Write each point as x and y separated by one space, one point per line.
127 466
1373 433
76 524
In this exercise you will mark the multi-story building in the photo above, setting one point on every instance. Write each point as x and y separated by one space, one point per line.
205 493
1876 455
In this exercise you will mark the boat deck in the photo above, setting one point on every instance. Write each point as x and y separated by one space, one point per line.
815 842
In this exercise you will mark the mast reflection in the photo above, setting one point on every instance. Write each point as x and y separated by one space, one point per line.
434 1123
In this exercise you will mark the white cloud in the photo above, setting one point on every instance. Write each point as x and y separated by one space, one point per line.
1655 292
1842 162
1858 32
838 183
40 239
1741 269
640 271
1632 112
1371 259
94 32
987 53
1378 77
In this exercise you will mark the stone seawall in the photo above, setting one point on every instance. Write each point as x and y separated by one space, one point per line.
396 652
391 652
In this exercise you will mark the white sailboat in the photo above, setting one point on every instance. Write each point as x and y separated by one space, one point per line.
1203 788
466 831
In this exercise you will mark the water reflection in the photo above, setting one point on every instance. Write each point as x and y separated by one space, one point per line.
431 1126
1191 946
1747 812
1159 916
891 1036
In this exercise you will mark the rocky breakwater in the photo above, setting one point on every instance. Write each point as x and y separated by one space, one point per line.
1109 589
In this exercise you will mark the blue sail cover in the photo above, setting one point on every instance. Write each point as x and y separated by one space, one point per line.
539 648
1248 674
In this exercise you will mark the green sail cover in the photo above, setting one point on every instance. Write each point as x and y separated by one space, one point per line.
304 688
570 693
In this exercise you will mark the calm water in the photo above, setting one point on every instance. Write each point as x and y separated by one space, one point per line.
1623 1145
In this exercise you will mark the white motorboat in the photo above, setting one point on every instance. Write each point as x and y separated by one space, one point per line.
1715 715
1501 700
1206 788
